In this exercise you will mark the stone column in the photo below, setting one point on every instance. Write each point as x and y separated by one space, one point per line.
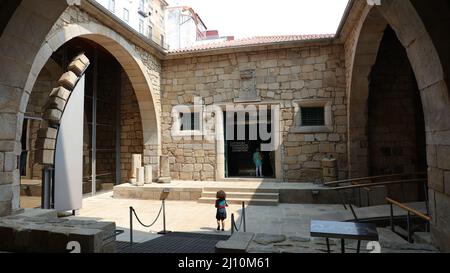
148 174
140 176
330 171
136 163
164 170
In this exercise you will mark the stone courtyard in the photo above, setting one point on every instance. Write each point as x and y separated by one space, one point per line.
281 229
370 100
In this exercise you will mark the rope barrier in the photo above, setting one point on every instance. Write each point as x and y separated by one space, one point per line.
133 212
139 220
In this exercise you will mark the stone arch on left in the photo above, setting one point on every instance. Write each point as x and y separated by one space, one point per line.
28 30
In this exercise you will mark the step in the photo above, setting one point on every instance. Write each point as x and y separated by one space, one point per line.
400 231
423 238
388 237
245 195
243 189
238 201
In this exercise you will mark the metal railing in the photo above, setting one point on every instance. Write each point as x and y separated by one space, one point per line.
346 202
234 227
376 179
411 212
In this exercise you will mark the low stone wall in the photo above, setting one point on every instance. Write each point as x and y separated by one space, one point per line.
128 191
40 231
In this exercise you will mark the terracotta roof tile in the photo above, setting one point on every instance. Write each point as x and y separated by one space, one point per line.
257 40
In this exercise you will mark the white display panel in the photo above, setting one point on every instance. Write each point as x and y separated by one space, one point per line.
69 153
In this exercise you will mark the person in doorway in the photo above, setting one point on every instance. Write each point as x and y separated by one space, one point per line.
258 160
221 206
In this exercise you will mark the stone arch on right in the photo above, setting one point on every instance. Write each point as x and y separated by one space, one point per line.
398 71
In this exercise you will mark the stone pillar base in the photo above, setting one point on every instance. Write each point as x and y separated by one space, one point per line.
164 180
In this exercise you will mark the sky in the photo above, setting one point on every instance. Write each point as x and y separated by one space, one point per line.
247 18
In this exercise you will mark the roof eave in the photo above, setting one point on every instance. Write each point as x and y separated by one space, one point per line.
246 48
344 18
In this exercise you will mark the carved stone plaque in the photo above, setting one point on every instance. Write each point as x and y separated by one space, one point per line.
248 92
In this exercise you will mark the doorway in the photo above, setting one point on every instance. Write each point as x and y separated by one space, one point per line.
243 140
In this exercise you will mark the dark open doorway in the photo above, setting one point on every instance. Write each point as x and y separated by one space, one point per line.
240 151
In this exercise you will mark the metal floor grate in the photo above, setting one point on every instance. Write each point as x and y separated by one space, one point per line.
175 242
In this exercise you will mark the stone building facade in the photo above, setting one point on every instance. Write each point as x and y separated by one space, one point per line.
290 78
332 73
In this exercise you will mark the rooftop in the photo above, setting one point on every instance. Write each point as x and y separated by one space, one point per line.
257 40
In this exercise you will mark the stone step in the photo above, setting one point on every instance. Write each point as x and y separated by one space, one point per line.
238 201
401 231
388 237
245 195
243 189
423 238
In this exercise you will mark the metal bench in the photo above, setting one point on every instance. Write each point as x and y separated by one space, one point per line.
343 231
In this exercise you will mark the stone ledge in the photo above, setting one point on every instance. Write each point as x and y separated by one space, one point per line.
39 231
238 243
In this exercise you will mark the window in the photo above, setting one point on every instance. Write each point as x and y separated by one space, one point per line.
141 25
187 121
162 40
190 121
149 32
313 116
126 15
141 5
112 5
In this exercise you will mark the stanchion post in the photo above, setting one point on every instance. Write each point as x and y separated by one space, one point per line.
164 215
131 226
164 196
245 216
232 223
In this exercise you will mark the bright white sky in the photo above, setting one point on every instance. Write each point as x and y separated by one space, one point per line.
247 18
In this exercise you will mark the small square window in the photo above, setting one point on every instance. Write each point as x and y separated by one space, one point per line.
190 121
312 116
112 5
126 15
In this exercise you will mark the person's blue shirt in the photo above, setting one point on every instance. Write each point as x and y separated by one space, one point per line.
257 159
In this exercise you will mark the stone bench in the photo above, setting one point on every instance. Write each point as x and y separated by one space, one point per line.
40 231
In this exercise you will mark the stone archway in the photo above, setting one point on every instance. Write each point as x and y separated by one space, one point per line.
429 73
28 24
131 61
21 64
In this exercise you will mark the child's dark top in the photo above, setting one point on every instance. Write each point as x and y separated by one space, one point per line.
221 205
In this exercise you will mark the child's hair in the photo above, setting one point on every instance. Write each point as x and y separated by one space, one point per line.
221 195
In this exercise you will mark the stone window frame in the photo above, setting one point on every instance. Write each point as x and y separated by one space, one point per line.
325 103
177 132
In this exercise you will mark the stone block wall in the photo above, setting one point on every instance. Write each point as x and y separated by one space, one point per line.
283 77
396 122
131 141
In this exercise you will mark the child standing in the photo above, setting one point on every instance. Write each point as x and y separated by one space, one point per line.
221 204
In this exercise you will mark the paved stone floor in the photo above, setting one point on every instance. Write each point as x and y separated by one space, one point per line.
183 216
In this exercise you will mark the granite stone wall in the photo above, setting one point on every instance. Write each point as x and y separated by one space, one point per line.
285 77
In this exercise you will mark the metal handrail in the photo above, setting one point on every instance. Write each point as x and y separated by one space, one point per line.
371 185
410 211
117 232
386 183
372 178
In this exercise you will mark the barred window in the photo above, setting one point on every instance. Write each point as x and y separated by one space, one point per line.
312 116
190 121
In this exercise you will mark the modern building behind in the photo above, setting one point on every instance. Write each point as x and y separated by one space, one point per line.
145 16
184 27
